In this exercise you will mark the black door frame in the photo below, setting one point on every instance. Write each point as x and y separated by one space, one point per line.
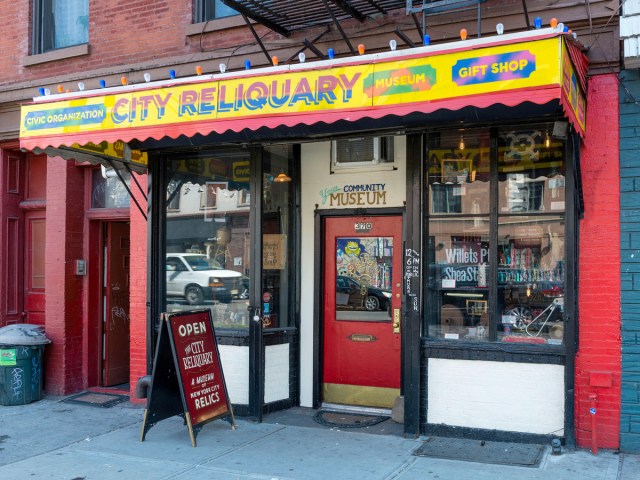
408 389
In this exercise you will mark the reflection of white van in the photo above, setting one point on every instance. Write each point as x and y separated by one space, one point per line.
196 278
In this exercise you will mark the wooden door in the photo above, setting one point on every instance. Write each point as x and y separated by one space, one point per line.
362 301
12 293
116 303
34 296
35 239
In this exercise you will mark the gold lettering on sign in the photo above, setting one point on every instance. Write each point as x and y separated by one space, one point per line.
343 199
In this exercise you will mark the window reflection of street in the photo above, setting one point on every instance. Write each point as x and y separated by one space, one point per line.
225 315
363 281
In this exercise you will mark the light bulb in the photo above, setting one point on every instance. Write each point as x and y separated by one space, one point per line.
247 64
41 91
574 35
528 290
302 57
553 22
393 45
361 48
537 22
103 84
198 70
500 28
461 142
463 34
331 53
147 77
47 91
560 27
60 89
222 67
124 80
547 140
81 86
172 73
275 60
426 39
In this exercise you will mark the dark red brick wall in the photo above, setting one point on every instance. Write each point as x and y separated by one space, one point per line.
599 264
64 303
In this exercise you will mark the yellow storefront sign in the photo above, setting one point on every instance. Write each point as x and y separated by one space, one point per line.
403 81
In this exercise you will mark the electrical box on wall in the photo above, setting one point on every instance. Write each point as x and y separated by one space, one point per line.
81 267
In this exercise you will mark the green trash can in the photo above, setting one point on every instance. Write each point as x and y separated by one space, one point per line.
21 350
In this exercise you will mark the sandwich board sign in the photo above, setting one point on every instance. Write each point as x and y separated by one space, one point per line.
187 378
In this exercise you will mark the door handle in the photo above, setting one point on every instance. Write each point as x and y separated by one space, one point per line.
396 320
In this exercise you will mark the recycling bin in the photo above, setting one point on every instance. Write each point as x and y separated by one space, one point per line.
21 350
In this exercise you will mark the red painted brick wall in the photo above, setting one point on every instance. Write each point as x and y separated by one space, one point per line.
64 289
599 263
138 288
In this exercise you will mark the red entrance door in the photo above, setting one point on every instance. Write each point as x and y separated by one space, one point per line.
116 302
362 301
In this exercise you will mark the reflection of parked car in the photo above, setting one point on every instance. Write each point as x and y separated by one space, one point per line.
196 278
351 293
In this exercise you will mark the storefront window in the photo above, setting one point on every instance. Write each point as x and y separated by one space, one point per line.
459 278
107 190
458 172
208 240
531 279
278 295
528 238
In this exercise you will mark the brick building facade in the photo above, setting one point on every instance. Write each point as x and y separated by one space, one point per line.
153 37
630 394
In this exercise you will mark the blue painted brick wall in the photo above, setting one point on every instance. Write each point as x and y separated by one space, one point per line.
630 258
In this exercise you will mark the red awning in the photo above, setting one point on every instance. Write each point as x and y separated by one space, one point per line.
510 99
507 70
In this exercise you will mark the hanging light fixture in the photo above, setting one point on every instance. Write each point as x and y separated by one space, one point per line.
461 145
283 177
547 140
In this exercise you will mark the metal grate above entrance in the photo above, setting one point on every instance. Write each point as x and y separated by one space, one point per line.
284 16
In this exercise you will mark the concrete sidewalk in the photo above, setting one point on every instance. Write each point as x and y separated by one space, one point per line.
52 439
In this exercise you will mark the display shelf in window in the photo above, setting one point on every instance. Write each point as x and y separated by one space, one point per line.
525 264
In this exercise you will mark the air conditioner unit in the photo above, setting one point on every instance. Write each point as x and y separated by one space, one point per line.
361 152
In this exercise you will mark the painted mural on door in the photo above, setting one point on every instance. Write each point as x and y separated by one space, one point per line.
362 285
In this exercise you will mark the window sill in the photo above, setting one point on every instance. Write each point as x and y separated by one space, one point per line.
215 25
53 55
372 167
494 351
